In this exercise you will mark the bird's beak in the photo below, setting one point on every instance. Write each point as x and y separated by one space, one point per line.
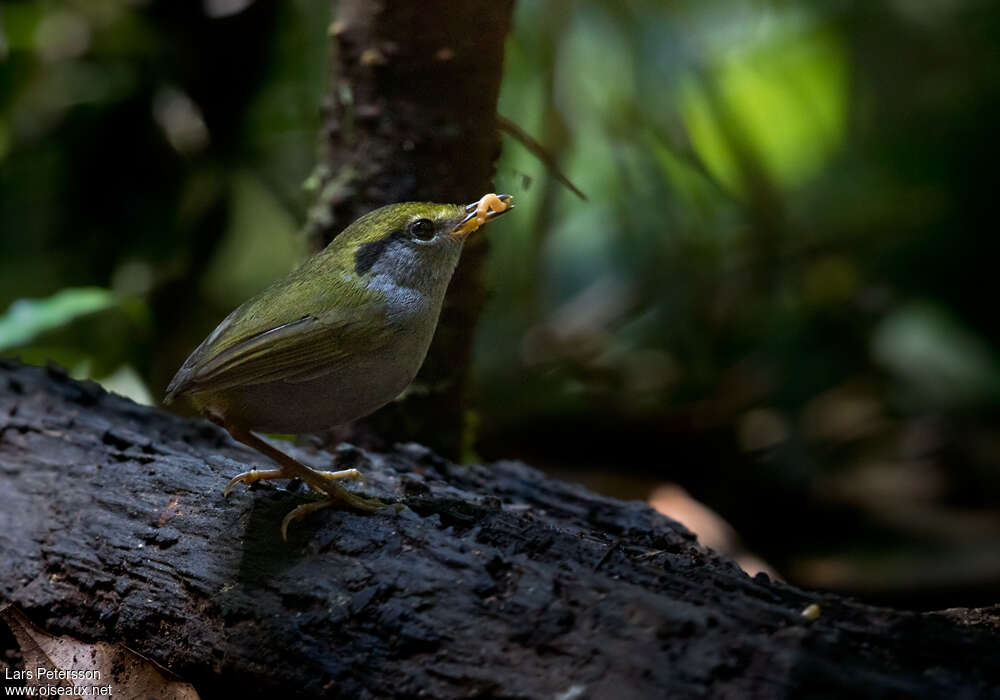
489 207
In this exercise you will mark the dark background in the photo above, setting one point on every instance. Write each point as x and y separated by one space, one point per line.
780 294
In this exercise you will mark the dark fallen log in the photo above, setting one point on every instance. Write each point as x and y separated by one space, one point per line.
492 581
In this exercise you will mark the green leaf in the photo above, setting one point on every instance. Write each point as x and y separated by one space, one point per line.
26 319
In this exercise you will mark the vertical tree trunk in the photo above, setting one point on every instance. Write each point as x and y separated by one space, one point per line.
411 116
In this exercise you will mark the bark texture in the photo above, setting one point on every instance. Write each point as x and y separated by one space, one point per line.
411 116
492 581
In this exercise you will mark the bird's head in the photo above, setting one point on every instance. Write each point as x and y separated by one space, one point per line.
414 243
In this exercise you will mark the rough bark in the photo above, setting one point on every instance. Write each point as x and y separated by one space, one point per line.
492 581
411 116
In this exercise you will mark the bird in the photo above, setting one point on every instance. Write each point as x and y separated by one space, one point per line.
334 340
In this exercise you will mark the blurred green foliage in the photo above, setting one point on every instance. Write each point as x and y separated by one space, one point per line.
779 293
28 318
155 151
768 180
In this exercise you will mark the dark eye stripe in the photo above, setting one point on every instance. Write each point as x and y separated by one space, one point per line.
369 253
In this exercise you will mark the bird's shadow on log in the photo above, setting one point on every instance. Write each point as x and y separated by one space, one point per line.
264 553
265 556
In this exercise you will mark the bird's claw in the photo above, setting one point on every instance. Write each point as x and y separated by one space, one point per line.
338 497
300 512
248 478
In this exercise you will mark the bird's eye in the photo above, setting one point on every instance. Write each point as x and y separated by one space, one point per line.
422 229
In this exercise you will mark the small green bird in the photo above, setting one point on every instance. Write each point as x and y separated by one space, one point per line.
334 340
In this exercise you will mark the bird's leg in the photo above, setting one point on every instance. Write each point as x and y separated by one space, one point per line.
291 468
325 482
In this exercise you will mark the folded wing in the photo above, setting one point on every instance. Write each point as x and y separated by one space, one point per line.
308 347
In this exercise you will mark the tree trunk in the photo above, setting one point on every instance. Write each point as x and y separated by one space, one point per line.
411 116
487 581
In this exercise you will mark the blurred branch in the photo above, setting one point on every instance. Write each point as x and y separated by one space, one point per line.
539 151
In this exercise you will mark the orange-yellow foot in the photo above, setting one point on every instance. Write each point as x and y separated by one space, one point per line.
339 496
255 475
